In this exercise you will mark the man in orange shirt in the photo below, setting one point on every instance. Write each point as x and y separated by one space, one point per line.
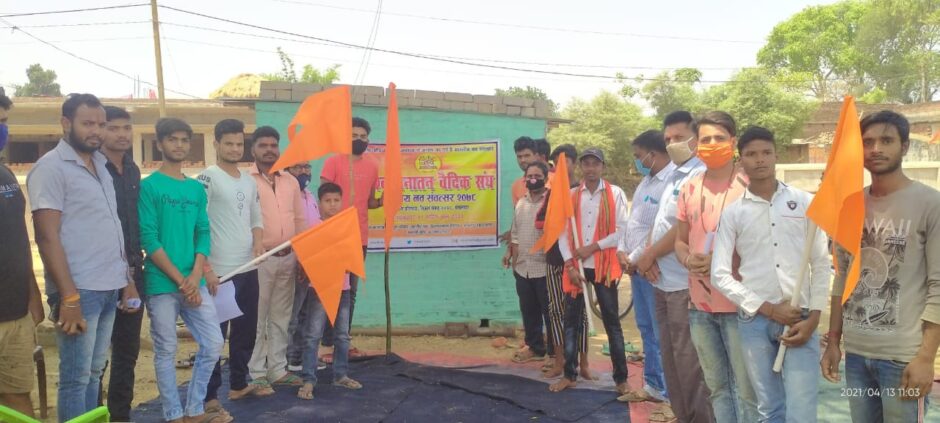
283 214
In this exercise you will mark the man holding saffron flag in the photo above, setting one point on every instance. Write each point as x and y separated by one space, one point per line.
600 211
891 319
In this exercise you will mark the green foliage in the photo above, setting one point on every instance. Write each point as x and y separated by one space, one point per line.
756 97
528 92
667 91
42 83
608 122
310 74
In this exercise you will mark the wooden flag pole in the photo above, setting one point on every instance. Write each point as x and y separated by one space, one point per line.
798 289
388 311
587 302
255 261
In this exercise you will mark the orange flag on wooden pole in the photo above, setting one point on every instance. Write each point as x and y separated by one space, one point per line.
325 121
839 206
326 252
559 209
392 191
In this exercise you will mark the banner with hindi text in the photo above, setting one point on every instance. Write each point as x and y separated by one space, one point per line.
450 197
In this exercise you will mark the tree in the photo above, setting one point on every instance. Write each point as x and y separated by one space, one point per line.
667 92
820 43
755 97
608 122
42 83
310 75
528 92
903 41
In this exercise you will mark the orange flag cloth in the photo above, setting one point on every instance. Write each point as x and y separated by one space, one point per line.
839 205
325 121
559 210
392 191
326 252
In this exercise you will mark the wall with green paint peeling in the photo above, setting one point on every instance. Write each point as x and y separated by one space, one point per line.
430 288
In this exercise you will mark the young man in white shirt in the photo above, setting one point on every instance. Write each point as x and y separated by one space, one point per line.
767 228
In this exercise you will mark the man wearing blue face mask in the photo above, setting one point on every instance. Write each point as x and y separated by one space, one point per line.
297 328
652 161
21 303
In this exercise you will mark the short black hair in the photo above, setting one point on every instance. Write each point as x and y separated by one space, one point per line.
359 122
570 151
717 118
74 101
679 116
651 140
524 143
543 148
114 112
753 133
264 131
228 126
328 188
167 126
540 165
5 102
889 118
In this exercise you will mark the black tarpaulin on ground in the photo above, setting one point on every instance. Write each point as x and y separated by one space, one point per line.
400 391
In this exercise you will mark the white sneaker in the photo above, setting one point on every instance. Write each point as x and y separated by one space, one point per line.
294 368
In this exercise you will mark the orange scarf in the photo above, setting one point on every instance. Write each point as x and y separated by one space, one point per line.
606 266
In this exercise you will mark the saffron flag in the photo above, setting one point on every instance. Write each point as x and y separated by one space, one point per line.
936 138
392 191
559 210
326 252
839 206
325 121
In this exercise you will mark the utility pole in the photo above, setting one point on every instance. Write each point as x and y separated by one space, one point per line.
159 57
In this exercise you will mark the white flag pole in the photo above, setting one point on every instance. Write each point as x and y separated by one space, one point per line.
798 289
255 261
587 302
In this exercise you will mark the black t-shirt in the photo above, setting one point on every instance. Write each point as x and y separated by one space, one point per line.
15 255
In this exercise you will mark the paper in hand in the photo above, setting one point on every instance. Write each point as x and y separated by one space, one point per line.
225 306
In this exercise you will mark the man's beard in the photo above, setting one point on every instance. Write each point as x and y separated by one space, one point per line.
891 169
78 145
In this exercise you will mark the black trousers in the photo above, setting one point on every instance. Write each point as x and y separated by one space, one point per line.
241 339
125 348
533 303
574 325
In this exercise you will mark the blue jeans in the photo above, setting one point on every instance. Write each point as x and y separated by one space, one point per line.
203 324
644 309
789 396
82 357
718 344
866 378
317 319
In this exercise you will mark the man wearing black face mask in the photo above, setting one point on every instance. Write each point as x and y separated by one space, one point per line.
361 189
528 267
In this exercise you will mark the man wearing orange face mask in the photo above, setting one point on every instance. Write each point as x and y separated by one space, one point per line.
713 319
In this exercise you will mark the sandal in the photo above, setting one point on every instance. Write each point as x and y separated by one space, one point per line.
262 387
212 418
186 363
289 379
348 383
526 356
662 414
637 396
305 392
216 407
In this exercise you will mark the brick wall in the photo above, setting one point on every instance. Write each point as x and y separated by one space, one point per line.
277 91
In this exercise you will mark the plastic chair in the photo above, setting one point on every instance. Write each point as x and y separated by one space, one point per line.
10 415
98 415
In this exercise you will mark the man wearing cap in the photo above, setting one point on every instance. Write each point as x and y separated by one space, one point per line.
601 220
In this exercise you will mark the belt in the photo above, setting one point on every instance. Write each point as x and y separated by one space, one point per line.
283 252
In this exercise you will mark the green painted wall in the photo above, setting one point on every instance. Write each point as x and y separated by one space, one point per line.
430 288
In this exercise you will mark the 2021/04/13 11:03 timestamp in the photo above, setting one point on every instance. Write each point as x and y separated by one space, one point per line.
877 392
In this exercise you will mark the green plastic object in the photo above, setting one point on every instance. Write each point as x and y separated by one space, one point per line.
12 416
98 415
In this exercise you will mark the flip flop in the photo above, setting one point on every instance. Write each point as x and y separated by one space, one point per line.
303 394
663 414
262 388
525 357
637 396
289 379
348 383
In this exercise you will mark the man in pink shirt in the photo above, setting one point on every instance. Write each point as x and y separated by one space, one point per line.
713 319
361 193
282 211
298 326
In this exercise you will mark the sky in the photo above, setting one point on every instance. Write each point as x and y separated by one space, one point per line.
593 39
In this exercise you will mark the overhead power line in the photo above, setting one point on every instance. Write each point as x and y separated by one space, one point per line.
75 24
524 26
89 9
105 67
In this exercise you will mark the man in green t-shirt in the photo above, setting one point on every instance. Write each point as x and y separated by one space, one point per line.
174 232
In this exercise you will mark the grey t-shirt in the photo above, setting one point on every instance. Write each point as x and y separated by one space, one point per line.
233 209
899 283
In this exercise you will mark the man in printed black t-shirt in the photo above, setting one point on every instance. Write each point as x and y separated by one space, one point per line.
21 304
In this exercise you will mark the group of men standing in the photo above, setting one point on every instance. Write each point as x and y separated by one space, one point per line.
713 248
113 244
